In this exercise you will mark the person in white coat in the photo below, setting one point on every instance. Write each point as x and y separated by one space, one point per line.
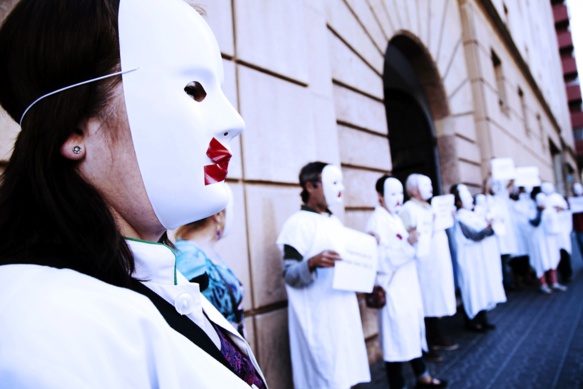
325 331
544 250
401 325
500 210
434 263
565 226
479 270
111 96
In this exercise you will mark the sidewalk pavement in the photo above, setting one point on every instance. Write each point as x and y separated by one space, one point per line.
537 344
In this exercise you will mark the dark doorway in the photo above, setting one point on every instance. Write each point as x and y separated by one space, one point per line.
411 141
412 137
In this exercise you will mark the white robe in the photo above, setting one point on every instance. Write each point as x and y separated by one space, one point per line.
524 209
435 269
544 249
325 330
63 329
499 208
479 267
401 325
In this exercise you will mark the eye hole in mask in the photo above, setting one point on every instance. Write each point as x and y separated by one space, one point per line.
195 90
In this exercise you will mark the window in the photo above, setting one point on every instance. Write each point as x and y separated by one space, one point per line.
500 83
541 131
524 111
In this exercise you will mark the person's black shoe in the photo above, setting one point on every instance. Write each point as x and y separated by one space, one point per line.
475 328
434 383
488 326
432 356
445 344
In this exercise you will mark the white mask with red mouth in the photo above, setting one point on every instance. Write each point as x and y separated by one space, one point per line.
332 184
181 121
393 196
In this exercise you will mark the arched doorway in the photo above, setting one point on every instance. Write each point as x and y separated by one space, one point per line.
414 99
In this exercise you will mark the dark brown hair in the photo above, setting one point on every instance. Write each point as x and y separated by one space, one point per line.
312 172
47 211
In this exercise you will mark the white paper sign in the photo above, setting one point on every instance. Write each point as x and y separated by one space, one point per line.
358 268
565 219
503 169
576 204
442 206
527 176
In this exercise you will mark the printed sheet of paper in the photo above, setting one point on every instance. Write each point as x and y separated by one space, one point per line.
443 207
565 219
358 267
503 169
527 176
576 204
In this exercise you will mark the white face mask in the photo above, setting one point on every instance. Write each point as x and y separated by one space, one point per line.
466 198
480 200
547 188
332 184
425 188
181 144
578 189
393 194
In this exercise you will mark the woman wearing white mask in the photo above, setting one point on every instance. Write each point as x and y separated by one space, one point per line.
434 264
401 325
111 96
544 249
479 270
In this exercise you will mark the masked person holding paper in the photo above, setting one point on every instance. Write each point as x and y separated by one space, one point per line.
545 254
504 225
402 330
112 96
326 338
434 263
479 270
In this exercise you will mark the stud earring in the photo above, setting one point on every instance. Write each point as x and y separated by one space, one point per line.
219 234
76 150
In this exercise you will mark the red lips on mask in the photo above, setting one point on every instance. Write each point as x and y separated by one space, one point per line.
216 172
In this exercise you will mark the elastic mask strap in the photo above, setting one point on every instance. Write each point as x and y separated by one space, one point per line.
73 86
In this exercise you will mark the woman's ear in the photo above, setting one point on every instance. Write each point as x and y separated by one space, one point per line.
74 146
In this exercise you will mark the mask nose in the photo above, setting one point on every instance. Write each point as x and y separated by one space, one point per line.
229 123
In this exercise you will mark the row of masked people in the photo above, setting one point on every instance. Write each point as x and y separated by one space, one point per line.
533 228
327 342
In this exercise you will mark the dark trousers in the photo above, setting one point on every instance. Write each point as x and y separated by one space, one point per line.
481 319
395 372
432 331
565 269
506 271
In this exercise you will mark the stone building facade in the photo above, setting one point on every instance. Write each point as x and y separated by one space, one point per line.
375 86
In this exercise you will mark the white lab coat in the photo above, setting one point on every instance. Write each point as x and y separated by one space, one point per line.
479 267
524 209
401 325
435 269
544 250
326 337
499 208
63 329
